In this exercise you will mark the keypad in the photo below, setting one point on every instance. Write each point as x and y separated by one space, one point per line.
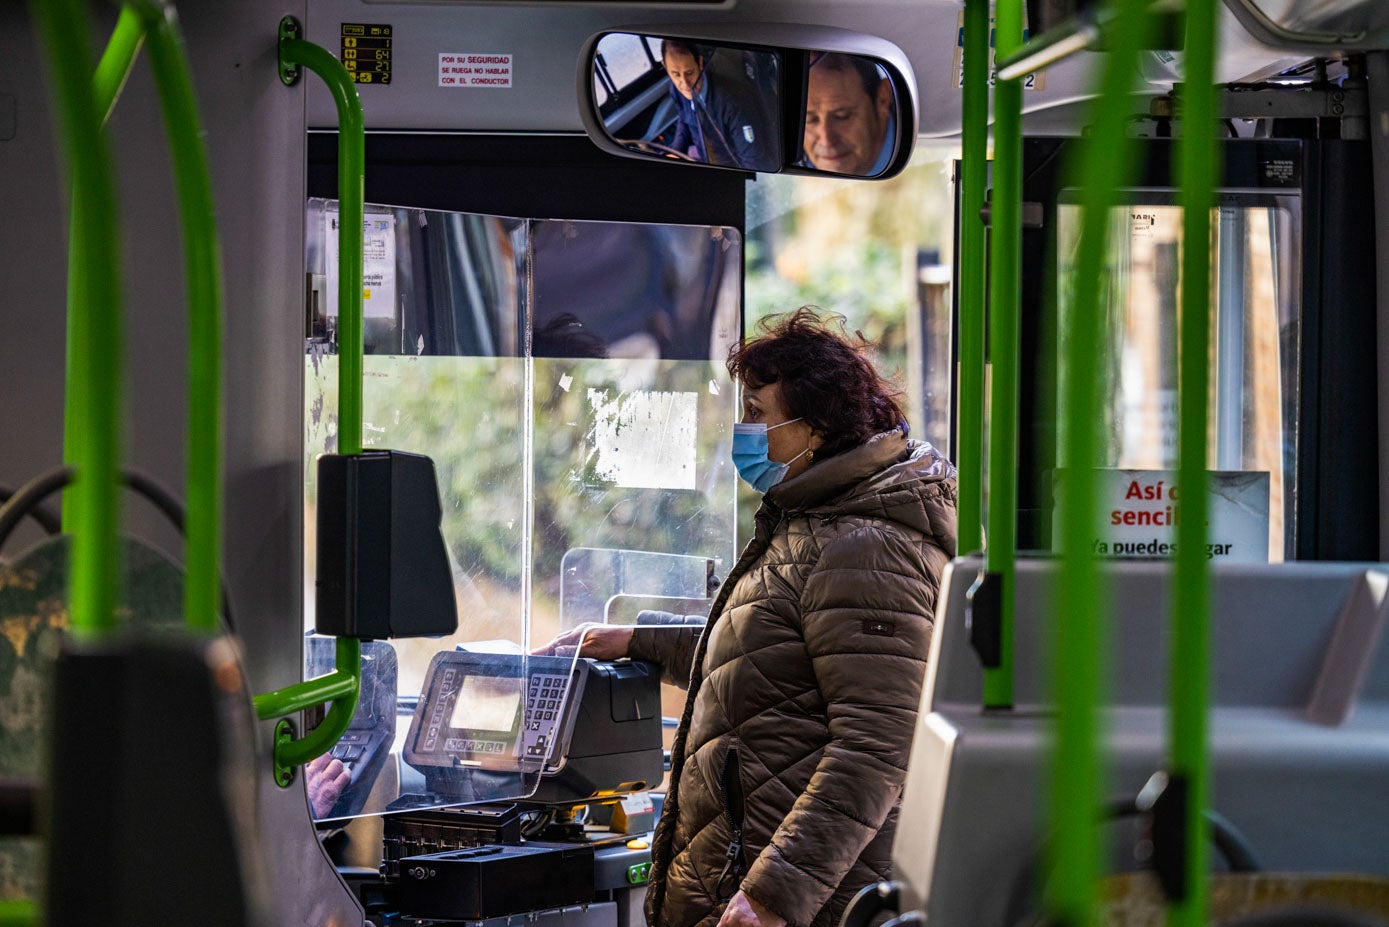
544 698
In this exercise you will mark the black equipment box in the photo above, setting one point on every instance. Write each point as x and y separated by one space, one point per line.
438 830
496 880
383 568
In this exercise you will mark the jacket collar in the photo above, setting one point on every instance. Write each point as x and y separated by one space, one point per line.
831 478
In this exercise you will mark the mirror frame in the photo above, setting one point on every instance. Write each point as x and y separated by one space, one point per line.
795 43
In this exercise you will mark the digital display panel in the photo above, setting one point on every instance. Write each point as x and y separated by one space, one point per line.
487 703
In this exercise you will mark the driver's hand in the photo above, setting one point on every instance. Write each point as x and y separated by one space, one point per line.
325 778
598 641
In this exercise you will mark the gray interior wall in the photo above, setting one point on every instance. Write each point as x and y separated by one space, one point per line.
32 315
254 129
545 38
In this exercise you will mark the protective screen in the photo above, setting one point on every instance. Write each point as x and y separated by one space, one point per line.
567 380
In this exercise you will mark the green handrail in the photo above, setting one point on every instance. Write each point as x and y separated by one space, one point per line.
342 686
974 168
203 273
1199 166
1106 158
1005 302
351 214
111 73
116 63
95 338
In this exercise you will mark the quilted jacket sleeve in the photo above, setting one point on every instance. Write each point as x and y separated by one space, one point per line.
669 641
866 614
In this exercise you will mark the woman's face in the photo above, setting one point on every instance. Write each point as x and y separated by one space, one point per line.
763 405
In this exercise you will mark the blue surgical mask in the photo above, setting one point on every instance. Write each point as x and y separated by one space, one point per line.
750 456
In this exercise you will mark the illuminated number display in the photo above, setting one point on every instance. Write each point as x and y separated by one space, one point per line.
366 52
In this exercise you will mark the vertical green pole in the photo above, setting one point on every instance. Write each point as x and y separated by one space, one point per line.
1079 655
974 167
94 331
342 686
351 209
111 73
203 272
1199 166
1005 302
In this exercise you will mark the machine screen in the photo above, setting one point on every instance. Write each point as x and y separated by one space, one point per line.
499 711
487 703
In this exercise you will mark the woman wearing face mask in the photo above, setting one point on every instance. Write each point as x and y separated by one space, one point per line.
804 685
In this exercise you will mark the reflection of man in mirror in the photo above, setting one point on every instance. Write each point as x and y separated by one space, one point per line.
716 123
850 120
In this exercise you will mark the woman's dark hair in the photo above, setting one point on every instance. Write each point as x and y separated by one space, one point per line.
826 379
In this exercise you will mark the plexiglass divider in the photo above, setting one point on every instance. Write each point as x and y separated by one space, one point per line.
567 380
614 586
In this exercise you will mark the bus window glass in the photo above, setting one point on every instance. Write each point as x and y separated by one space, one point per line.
1255 314
628 57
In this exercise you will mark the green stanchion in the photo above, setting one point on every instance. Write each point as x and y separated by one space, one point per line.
95 343
1079 658
1199 166
1005 303
342 686
203 273
111 73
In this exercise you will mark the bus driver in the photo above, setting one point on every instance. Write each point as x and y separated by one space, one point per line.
717 124
850 120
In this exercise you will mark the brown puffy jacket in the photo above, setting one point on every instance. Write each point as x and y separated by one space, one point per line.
812 666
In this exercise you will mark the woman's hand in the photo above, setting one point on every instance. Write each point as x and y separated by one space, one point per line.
743 911
598 641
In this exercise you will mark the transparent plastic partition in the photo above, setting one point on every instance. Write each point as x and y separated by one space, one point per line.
567 380
616 586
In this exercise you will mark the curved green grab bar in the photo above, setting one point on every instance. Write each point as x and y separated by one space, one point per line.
340 686
1105 162
111 73
116 63
351 213
96 347
1199 167
1005 306
974 167
203 272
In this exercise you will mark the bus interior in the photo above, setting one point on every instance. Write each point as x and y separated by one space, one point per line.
356 349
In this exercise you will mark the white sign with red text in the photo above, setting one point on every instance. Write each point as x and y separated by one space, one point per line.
1139 511
474 69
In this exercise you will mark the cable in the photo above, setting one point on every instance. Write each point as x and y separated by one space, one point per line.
50 522
26 501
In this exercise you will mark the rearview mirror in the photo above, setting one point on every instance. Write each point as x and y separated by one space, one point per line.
768 108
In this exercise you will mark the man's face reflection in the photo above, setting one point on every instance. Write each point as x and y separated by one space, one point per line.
845 123
684 70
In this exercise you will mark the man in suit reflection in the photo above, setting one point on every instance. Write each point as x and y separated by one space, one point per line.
717 122
850 120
